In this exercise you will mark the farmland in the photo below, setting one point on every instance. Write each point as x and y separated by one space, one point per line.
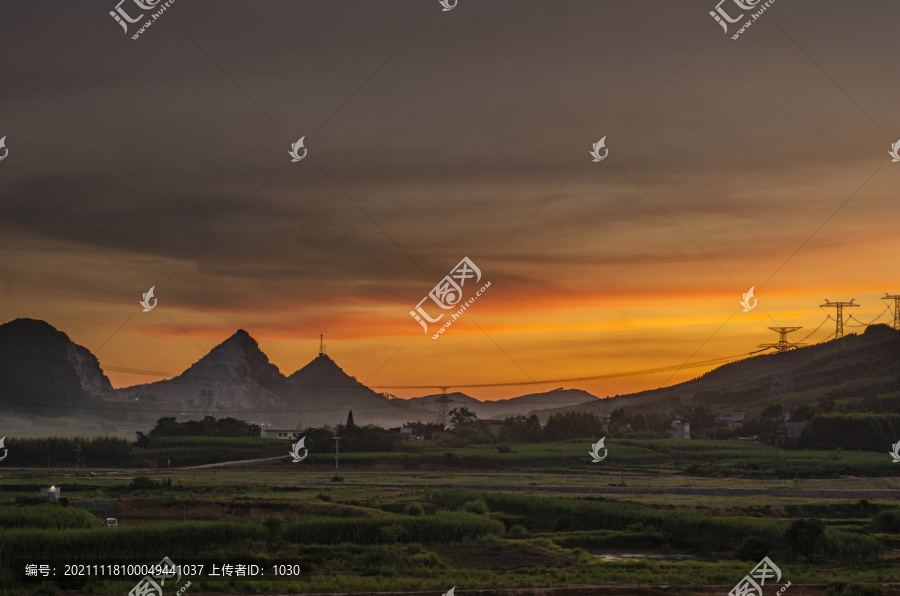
481 518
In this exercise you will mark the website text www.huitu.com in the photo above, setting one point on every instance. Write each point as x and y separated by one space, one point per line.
457 314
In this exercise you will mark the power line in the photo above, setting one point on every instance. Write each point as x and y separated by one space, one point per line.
862 324
825 320
573 379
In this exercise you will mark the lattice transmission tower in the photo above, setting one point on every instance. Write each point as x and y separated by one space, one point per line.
782 381
839 315
442 403
896 299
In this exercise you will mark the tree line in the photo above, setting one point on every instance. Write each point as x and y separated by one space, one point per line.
208 427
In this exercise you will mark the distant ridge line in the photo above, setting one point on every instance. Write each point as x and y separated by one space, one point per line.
591 378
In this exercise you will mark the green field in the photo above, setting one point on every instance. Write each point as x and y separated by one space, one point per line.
480 518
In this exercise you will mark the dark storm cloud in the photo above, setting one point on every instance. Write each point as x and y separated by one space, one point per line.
450 131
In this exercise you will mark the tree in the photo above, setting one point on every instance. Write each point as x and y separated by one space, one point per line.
638 422
572 425
462 417
771 424
806 537
617 419
520 429
802 413
752 548
701 418
350 423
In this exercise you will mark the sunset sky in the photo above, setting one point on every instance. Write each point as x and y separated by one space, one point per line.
433 136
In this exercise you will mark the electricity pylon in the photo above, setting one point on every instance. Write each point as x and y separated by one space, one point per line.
443 401
783 344
896 299
839 315
781 378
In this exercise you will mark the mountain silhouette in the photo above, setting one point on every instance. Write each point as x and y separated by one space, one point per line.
43 371
852 367
324 372
514 406
323 393
235 375
237 379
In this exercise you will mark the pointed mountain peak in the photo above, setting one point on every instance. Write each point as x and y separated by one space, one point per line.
239 355
323 372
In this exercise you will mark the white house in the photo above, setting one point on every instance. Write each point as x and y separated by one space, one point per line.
290 435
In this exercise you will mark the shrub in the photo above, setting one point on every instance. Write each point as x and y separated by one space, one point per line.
887 521
476 506
806 537
752 548
414 509
142 482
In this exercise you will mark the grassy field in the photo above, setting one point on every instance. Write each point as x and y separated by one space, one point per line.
401 522
703 458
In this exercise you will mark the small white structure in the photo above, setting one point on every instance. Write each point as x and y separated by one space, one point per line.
51 494
291 435
111 522
680 430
